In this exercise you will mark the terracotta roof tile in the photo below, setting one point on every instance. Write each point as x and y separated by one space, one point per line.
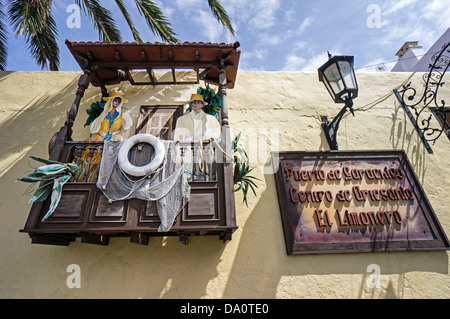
102 57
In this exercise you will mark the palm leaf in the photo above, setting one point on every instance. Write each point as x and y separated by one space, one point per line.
212 98
41 193
102 19
94 111
241 154
243 181
33 20
42 186
52 177
51 169
28 179
56 194
126 15
220 14
156 21
3 39
43 160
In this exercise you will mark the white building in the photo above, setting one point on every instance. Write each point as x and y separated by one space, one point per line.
425 62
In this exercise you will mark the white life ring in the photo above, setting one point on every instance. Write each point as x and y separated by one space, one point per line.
130 169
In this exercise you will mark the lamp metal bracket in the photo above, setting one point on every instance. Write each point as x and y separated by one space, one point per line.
330 129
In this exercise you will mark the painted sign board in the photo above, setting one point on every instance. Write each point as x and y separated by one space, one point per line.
359 201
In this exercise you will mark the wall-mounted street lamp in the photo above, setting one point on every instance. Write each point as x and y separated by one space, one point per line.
339 78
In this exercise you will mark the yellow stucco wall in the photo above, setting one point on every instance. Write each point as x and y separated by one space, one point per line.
284 108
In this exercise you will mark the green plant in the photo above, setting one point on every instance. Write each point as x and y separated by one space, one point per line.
212 98
243 181
94 111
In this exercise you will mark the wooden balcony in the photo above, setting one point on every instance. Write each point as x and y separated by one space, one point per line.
84 211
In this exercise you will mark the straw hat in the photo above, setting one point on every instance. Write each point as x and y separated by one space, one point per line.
116 94
197 97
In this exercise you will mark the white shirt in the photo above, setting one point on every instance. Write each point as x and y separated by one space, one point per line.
197 126
197 120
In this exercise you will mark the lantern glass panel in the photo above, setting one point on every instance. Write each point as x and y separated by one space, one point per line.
329 89
346 69
334 79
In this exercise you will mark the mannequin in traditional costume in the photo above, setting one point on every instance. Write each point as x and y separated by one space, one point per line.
112 122
197 126
110 125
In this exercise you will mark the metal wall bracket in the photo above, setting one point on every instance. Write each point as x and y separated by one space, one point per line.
414 122
419 107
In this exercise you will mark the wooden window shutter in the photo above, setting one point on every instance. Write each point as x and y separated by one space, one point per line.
158 120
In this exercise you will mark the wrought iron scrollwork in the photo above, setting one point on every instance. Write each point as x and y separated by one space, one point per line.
418 107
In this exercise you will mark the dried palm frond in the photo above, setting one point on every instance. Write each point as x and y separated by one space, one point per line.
51 178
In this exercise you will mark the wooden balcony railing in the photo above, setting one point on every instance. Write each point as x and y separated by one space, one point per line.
85 212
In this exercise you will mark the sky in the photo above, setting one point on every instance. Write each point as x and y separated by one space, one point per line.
274 35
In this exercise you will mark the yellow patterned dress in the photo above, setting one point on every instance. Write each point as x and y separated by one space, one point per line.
109 130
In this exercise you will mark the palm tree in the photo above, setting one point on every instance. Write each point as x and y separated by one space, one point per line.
33 19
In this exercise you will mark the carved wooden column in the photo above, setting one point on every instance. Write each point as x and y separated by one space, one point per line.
226 145
65 133
62 136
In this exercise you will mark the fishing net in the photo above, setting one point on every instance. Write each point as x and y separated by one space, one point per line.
167 186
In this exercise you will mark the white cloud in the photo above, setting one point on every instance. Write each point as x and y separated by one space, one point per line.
276 39
209 27
293 63
296 32
251 56
269 39
411 20
299 45
298 63
437 11
265 14
290 16
167 11
255 15
207 24
305 24
316 62
395 5
258 54
188 4
247 60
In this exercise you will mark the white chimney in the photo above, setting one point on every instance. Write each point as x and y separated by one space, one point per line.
408 56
